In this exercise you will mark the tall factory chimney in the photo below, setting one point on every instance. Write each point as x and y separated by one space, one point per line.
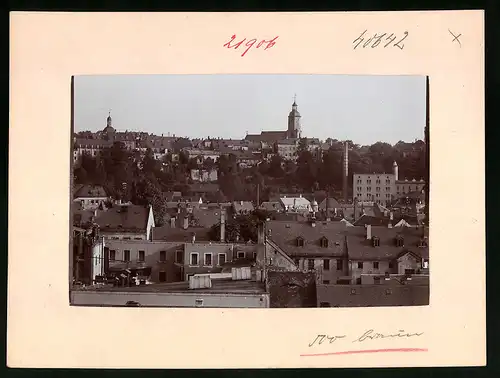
346 172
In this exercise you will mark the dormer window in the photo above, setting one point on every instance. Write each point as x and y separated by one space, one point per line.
300 241
400 241
422 242
324 242
375 241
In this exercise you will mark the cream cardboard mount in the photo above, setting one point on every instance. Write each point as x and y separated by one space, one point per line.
48 48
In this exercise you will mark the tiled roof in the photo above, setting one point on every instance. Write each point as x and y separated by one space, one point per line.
359 248
373 295
271 206
80 216
332 204
289 141
129 218
285 235
243 206
93 142
90 191
204 188
207 217
177 234
371 220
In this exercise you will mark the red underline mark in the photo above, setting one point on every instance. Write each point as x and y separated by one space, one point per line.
365 351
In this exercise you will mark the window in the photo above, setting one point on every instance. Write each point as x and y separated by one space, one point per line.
324 304
369 188
378 181
377 188
208 259
141 255
163 255
358 281
326 264
126 238
241 255
198 302
360 265
324 242
425 265
339 264
375 241
310 264
194 259
400 241
387 189
222 258
126 255
254 255
375 265
300 242
112 254
179 257
162 276
391 265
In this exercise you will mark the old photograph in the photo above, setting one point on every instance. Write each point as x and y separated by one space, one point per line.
249 191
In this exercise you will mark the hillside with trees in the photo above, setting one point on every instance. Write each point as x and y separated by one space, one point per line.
141 179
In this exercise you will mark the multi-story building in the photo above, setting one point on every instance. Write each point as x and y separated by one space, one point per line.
312 245
90 197
382 188
128 222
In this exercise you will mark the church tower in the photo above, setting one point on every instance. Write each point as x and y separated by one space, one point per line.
109 131
294 122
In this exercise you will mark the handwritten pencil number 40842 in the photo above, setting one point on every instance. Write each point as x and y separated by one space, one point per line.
383 40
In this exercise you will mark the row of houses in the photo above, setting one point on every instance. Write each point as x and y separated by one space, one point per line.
335 251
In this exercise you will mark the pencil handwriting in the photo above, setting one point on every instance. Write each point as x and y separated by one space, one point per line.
365 40
365 336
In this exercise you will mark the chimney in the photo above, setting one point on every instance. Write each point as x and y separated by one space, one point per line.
260 234
172 222
222 226
186 222
391 216
368 231
346 171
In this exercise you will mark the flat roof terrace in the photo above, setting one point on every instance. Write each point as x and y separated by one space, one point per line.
218 286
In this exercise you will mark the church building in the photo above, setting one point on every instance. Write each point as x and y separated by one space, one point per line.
293 131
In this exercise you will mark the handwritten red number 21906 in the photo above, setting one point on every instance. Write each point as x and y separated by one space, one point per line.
250 43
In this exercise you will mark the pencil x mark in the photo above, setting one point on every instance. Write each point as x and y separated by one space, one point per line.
456 38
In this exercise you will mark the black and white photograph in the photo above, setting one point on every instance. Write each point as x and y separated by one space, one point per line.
249 191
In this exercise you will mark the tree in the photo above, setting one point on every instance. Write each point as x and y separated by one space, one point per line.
209 164
275 169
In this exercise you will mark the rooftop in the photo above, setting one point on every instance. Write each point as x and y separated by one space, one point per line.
90 191
123 218
218 286
361 248
324 239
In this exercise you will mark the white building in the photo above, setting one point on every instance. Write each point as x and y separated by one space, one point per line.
296 204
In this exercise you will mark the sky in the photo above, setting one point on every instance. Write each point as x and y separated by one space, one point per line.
364 109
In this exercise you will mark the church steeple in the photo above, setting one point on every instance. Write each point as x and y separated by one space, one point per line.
109 120
294 121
